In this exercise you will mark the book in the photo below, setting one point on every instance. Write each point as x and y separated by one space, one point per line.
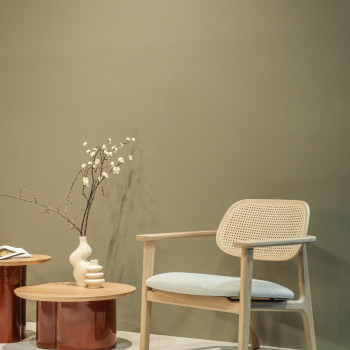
7 252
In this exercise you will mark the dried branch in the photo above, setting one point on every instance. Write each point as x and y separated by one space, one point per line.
97 170
69 194
28 191
43 205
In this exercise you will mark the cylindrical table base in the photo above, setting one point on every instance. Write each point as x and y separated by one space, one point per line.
87 325
12 308
46 325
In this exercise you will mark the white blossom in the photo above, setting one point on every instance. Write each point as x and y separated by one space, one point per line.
85 181
108 149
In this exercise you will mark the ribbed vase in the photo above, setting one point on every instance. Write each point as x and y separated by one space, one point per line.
94 275
79 261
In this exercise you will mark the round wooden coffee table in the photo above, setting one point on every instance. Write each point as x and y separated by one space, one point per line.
71 317
13 274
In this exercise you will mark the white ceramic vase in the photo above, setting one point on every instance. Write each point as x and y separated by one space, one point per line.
79 261
94 275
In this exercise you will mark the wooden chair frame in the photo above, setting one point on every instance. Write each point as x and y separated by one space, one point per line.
245 307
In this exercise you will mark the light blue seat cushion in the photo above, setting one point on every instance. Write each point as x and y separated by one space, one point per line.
214 285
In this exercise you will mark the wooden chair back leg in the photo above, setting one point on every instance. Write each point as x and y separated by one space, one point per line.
305 293
253 332
308 322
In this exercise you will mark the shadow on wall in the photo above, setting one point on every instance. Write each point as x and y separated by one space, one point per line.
119 236
134 196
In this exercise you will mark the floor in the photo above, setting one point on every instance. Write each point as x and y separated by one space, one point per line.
130 341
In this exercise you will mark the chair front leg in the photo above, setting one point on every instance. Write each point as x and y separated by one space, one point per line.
146 306
245 297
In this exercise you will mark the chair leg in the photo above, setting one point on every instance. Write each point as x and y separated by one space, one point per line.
245 298
308 322
305 293
146 306
254 334
145 324
243 330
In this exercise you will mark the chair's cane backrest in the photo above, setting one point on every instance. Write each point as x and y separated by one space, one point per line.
261 219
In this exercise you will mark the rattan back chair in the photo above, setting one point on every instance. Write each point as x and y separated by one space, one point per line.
260 229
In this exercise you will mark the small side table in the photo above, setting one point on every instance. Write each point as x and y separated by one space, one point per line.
72 318
13 274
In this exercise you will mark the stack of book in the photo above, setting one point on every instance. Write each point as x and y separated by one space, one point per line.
7 252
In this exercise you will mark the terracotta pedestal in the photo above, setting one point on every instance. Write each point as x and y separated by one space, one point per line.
13 273
76 325
12 308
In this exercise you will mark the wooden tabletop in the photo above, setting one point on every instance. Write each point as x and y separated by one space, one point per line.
33 260
70 292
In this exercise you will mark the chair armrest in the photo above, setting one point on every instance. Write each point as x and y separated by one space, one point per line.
161 236
268 242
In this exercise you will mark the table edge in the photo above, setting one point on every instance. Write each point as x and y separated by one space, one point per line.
44 297
13 262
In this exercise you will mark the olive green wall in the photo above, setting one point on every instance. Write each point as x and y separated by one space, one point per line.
228 100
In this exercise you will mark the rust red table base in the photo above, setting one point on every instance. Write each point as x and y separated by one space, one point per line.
89 325
12 308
